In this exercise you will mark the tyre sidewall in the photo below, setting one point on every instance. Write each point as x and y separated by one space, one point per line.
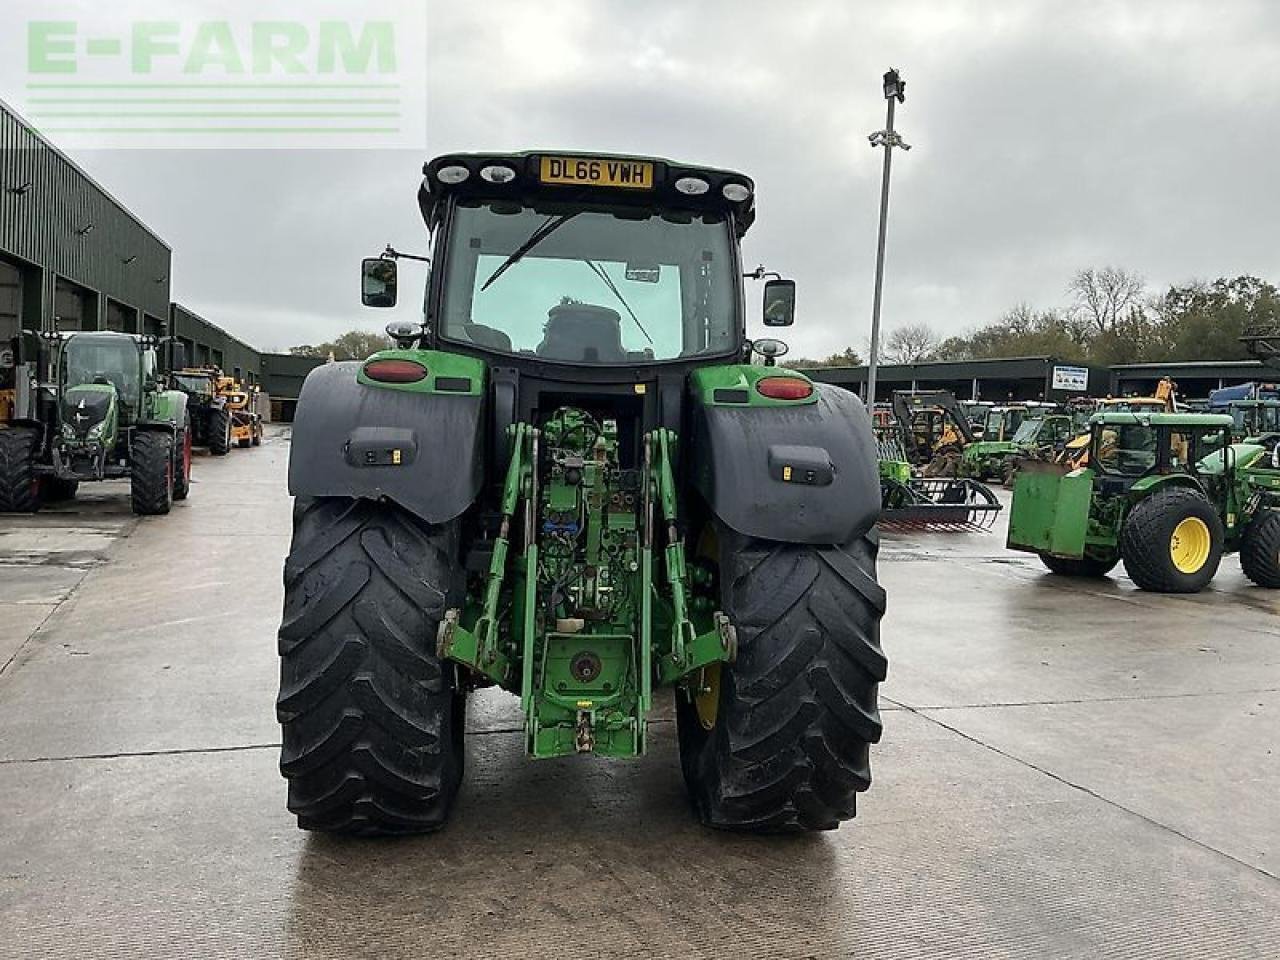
1146 535
1260 551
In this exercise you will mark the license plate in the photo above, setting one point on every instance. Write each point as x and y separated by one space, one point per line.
627 174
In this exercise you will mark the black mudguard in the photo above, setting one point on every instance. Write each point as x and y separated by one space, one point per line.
830 494
346 437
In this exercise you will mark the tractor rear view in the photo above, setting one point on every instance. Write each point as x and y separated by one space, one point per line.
1167 494
210 416
572 483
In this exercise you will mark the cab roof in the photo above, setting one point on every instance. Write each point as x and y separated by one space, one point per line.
1164 419
608 178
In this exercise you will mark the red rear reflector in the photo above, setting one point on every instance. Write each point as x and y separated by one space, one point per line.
785 388
395 371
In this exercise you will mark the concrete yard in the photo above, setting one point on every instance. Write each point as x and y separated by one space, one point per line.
1069 769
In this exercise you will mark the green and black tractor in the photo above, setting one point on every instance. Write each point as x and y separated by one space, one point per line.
212 419
101 412
572 481
1166 493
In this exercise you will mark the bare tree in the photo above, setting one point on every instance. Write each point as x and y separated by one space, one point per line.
1104 297
913 343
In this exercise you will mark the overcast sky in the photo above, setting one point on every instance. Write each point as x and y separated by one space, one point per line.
1047 136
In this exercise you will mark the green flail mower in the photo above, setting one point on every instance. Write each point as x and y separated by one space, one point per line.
99 410
571 482
1167 494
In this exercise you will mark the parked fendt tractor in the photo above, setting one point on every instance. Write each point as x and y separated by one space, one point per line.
210 417
103 414
572 482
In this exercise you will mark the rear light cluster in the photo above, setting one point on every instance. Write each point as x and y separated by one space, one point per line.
395 371
784 388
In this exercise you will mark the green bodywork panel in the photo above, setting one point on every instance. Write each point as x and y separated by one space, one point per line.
591 612
163 406
110 423
983 456
451 368
898 470
1243 456
1050 511
737 383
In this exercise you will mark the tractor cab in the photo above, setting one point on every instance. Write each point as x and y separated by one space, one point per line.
96 368
585 268
103 381
1126 447
1254 419
1002 422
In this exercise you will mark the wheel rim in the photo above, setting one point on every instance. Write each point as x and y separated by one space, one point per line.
1189 545
707 700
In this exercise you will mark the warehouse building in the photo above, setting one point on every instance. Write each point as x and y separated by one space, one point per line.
1194 379
71 256
207 344
1015 378
282 376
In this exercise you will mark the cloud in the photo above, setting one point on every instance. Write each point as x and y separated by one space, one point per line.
1046 136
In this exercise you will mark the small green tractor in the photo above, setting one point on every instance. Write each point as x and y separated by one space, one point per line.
102 414
573 482
1166 493
1037 436
212 420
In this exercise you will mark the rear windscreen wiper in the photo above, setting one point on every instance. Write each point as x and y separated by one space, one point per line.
608 282
548 227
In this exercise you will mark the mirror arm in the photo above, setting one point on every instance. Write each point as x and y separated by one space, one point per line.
391 253
760 273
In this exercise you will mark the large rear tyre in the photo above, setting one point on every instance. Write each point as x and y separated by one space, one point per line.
372 720
19 484
1260 551
151 472
784 743
219 432
1079 566
1172 542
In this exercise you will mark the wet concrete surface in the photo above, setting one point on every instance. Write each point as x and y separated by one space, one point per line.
1069 770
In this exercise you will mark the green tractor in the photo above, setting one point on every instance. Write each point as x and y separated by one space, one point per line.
1037 436
1166 493
572 482
103 414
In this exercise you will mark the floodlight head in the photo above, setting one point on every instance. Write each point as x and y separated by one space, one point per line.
895 86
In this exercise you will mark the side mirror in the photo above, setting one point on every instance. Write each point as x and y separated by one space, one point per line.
779 303
378 282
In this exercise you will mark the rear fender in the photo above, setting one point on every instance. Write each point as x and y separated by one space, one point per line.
415 445
797 473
